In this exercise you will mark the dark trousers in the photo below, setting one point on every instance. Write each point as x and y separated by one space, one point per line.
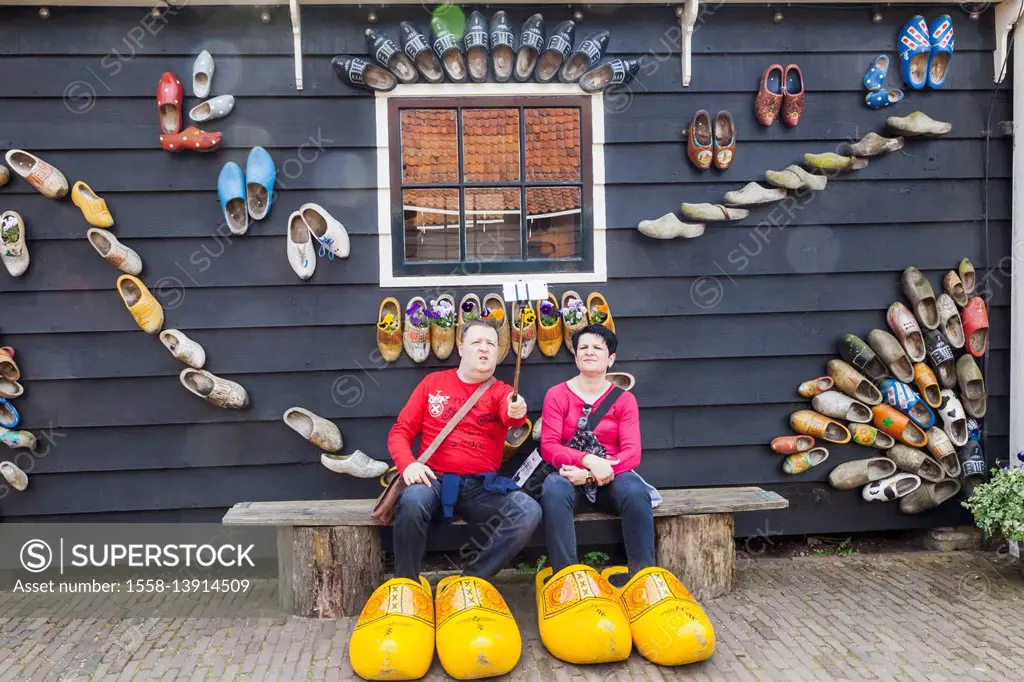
502 524
625 496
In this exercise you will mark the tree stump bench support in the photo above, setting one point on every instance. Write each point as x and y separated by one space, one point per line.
329 551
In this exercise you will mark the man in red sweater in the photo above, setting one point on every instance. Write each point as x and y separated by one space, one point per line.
461 476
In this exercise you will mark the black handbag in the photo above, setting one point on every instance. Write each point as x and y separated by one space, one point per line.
534 485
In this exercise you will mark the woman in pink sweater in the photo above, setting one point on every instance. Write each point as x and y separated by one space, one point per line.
595 462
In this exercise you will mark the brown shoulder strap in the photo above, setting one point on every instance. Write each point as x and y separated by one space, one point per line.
454 421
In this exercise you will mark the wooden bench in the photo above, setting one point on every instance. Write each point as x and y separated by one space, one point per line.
329 551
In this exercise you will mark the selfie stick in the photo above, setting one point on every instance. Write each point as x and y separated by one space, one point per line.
525 293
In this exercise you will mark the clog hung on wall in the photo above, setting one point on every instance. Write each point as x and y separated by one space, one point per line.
390 56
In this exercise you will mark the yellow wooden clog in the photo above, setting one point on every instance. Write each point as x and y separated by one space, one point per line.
668 626
580 617
495 306
476 634
144 308
389 329
598 301
92 205
394 635
549 337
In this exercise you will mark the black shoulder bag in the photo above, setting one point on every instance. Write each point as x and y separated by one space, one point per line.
583 440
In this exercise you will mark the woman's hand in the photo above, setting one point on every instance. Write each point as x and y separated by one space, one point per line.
576 475
600 467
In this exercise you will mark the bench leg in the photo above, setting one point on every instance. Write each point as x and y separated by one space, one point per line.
327 571
699 550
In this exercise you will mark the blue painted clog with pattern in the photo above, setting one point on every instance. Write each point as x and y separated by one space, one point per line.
905 399
915 51
941 34
9 416
875 75
883 98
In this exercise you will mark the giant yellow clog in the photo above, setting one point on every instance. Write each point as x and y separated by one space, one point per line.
668 626
580 617
394 636
144 308
476 633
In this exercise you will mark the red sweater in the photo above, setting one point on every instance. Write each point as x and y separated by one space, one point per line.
618 432
476 444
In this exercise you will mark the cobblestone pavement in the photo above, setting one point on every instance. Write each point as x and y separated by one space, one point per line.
916 616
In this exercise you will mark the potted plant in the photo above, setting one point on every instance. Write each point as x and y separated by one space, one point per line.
998 506
442 330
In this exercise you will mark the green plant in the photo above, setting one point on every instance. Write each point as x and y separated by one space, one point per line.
843 548
595 559
526 569
998 506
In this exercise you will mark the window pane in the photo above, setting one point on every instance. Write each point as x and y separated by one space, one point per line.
430 148
552 144
553 218
431 224
490 145
492 224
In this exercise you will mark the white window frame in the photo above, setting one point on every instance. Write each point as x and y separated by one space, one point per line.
480 90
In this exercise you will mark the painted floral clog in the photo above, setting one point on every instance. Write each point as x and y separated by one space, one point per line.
476 634
43 177
580 616
114 252
394 636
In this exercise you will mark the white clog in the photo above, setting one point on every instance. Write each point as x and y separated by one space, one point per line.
212 109
202 75
301 254
328 231
13 250
114 252
183 348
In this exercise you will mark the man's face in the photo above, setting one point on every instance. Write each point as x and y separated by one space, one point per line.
480 350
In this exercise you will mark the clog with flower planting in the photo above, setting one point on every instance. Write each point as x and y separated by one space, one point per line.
524 329
600 313
549 326
469 310
442 326
494 311
416 337
574 317
389 329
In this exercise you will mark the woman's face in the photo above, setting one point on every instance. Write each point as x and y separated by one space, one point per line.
592 355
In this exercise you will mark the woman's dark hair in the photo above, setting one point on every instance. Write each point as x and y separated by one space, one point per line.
605 333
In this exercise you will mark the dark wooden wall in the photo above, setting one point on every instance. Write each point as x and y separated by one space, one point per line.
718 330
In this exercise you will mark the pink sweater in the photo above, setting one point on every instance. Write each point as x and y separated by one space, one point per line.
618 432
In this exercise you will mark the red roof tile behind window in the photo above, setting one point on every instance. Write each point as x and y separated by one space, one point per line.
552 144
430 148
490 145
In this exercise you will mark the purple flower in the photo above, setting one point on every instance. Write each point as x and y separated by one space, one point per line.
546 307
467 306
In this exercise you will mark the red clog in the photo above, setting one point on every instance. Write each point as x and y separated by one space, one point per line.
169 98
792 95
769 96
191 139
975 320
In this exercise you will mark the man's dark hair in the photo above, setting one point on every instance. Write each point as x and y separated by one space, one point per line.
475 323
605 333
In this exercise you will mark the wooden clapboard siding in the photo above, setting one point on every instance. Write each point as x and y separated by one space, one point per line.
717 330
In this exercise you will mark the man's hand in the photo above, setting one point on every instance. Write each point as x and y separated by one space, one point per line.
517 407
600 467
576 475
418 473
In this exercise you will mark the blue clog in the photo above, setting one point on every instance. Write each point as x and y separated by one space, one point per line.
9 416
231 192
875 75
259 182
883 98
915 50
941 35
902 397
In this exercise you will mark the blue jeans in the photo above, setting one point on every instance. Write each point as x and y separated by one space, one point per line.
625 496
504 523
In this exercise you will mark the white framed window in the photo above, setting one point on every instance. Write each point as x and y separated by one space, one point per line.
482 183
